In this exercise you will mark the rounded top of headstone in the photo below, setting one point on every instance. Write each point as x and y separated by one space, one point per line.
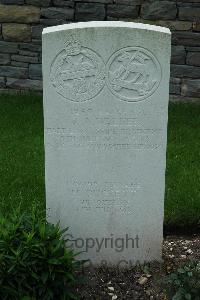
106 24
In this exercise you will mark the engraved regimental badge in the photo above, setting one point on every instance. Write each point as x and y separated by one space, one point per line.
133 74
77 72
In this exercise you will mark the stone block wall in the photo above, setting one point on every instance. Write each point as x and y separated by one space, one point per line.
22 21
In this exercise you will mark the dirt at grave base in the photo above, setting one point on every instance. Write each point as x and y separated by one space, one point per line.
140 283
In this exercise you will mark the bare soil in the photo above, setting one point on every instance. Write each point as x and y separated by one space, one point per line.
140 282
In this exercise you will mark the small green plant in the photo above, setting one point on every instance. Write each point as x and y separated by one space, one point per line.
34 261
184 284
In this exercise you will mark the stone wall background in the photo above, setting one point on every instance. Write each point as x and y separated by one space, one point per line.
22 21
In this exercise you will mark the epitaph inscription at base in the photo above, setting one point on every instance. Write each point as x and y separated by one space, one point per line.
106 87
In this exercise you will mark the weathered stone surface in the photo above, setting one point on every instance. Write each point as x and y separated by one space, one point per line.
2 82
26 59
175 25
18 2
36 41
186 32
129 2
186 38
19 14
189 13
196 26
191 88
112 19
172 25
4 59
102 146
24 84
175 89
16 32
90 11
8 47
19 64
96 1
40 58
185 71
187 1
179 98
28 53
175 80
158 10
35 71
13 72
22 58
30 47
188 4
37 31
178 55
193 58
193 49
57 13
42 3
125 11
63 3
51 22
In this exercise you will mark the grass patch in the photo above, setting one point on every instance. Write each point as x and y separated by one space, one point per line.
22 158
22 152
182 197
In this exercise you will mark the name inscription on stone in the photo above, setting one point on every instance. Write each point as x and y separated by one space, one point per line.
111 132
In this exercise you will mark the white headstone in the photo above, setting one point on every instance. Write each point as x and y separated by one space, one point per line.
106 88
